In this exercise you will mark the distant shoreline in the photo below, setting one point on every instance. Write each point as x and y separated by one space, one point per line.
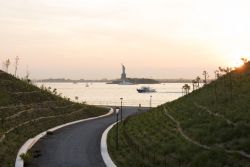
108 81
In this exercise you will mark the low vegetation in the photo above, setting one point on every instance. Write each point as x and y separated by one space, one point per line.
26 110
206 128
26 157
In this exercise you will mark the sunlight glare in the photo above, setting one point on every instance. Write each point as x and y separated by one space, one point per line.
235 59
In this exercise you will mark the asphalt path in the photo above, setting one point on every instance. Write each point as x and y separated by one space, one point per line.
76 145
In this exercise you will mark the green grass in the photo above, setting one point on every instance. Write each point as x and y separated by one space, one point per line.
215 121
26 110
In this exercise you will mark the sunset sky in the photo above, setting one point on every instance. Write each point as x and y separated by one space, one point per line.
91 38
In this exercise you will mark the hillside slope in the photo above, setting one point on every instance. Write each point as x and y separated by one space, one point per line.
206 128
26 110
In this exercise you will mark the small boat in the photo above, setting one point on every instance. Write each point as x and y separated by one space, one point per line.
145 89
87 85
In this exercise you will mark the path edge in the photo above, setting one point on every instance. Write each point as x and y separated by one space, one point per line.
32 141
104 148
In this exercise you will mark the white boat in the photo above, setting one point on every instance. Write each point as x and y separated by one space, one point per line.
145 89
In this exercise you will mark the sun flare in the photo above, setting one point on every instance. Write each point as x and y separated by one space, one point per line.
235 59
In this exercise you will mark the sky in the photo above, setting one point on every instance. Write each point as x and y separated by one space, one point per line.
91 38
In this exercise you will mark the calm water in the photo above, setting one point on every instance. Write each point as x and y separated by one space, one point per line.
107 94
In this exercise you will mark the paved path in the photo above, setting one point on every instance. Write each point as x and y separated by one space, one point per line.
77 145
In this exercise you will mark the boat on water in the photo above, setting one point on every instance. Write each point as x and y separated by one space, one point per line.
145 89
87 85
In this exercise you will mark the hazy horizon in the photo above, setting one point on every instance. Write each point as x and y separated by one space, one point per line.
154 39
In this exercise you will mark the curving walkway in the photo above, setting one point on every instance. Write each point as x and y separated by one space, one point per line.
77 145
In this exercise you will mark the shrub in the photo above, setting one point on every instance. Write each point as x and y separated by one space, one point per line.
26 157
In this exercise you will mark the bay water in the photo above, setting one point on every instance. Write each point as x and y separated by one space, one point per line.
110 94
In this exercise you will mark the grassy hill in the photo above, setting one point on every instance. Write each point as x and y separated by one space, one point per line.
26 110
209 127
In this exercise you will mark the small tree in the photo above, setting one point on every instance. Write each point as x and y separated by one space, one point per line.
198 79
186 89
194 83
27 76
228 78
6 65
244 60
16 64
222 73
229 72
215 89
217 74
54 91
205 73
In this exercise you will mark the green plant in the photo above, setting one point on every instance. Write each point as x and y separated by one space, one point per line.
26 157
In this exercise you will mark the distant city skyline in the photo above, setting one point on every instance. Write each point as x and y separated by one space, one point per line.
89 39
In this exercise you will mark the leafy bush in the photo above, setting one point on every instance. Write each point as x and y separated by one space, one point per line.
26 157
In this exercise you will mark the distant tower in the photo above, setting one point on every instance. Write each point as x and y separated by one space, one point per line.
123 76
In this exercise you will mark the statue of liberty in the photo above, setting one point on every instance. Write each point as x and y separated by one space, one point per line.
123 69
123 76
